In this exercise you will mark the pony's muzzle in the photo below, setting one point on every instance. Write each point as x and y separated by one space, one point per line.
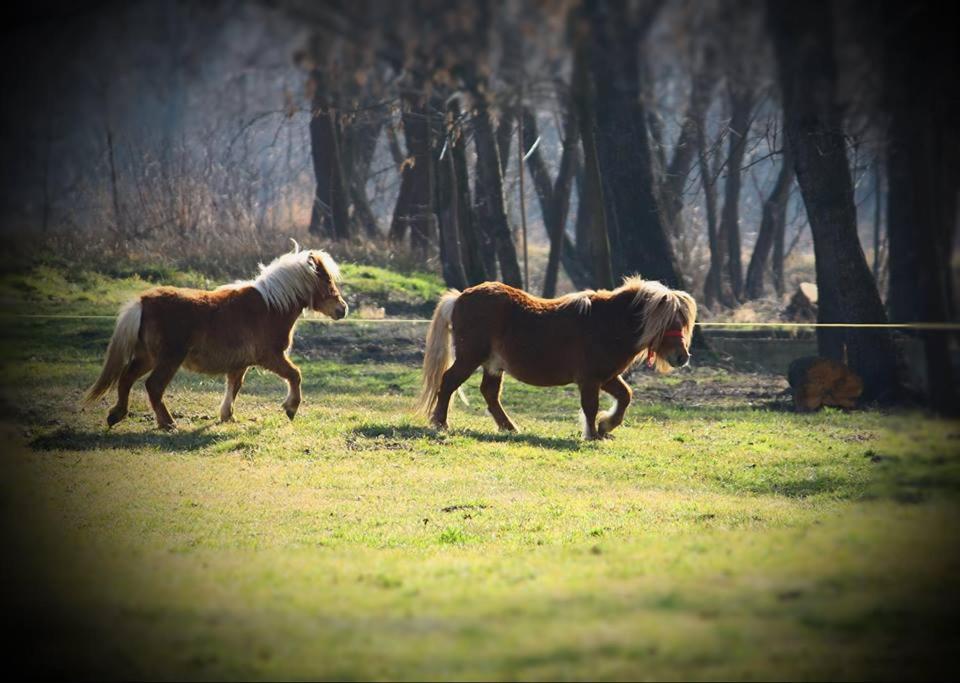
340 311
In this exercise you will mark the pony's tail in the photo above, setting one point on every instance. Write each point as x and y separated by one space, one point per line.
437 358
120 352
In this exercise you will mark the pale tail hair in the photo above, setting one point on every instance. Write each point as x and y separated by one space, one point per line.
438 357
120 352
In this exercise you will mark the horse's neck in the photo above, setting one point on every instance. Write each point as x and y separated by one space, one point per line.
286 319
626 314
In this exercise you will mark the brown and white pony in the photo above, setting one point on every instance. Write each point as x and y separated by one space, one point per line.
220 332
587 338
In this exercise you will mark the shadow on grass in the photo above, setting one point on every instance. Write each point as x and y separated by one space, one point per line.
373 431
565 443
69 439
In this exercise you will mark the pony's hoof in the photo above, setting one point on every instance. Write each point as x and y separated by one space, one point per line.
114 418
167 427
224 419
291 413
596 436
440 426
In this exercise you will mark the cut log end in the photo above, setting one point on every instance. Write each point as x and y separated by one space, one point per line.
818 382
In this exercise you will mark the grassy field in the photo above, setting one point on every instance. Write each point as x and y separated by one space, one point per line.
718 535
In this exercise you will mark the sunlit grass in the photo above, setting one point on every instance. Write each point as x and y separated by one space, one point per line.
715 540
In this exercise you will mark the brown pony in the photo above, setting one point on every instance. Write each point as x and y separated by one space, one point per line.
587 338
220 332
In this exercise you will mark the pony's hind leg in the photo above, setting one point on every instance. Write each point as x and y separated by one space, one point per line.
456 375
137 368
233 384
164 370
282 366
490 387
589 405
621 393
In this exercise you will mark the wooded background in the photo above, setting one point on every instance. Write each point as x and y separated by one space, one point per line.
698 143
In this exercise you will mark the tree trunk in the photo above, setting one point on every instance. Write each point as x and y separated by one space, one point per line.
741 108
415 202
773 220
474 244
923 148
330 215
450 248
360 143
582 221
592 193
625 158
504 137
712 285
779 236
490 206
803 42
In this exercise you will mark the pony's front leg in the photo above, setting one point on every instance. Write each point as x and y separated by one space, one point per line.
233 384
282 366
621 393
589 405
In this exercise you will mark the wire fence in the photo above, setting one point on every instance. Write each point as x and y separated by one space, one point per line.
923 326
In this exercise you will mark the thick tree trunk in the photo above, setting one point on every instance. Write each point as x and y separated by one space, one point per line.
415 202
923 149
330 216
581 226
625 156
360 143
803 42
474 243
450 248
741 108
491 209
592 199
773 220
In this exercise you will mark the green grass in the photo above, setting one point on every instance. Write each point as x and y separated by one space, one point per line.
69 289
708 539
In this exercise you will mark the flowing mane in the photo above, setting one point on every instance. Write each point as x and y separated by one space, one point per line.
657 307
287 283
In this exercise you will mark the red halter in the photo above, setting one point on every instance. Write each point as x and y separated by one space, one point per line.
652 355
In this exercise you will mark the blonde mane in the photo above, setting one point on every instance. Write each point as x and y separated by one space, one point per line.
657 307
287 282
579 300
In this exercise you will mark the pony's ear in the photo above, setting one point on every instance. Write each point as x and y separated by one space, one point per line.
312 260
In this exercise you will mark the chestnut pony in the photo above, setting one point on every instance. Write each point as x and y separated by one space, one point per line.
587 338
220 332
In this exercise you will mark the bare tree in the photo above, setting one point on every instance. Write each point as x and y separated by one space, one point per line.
803 42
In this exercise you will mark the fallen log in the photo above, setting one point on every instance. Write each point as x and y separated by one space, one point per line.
818 382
